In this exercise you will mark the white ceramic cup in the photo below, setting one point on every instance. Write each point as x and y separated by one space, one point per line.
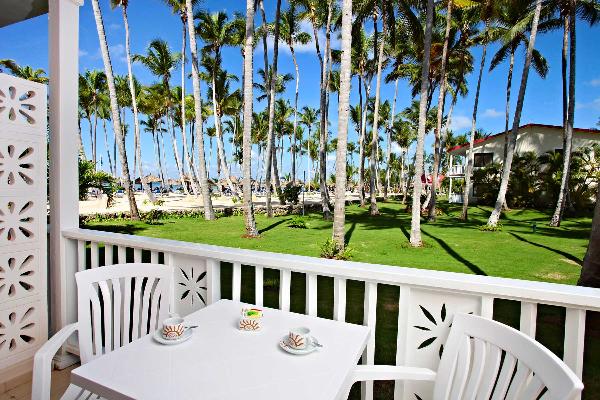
299 338
173 328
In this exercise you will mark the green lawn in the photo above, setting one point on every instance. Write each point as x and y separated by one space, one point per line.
549 254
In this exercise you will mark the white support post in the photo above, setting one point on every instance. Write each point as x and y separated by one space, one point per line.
64 205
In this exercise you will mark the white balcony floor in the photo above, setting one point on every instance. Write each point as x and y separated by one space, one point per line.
20 388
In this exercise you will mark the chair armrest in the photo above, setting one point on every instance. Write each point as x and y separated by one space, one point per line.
391 372
42 362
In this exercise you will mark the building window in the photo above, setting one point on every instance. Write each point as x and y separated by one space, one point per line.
483 159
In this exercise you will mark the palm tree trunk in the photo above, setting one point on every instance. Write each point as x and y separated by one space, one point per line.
590 272
308 169
373 210
470 155
94 136
361 144
440 115
133 210
295 111
568 142
80 142
339 214
176 155
323 125
495 215
250 221
271 160
389 145
110 164
136 121
415 225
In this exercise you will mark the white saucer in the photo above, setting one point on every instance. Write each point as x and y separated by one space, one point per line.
283 343
160 339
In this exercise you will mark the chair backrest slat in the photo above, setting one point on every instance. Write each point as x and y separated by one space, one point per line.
484 358
120 303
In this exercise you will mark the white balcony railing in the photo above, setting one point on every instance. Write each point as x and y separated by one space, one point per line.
456 170
422 306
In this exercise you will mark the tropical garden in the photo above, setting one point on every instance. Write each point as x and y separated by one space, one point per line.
360 46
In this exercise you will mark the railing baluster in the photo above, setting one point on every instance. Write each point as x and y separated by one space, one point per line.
121 255
258 286
81 256
487 307
95 258
154 257
311 294
137 255
370 318
403 311
285 281
236 287
108 254
574 340
213 280
339 299
528 318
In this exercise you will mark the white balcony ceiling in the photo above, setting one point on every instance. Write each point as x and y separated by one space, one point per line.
19 10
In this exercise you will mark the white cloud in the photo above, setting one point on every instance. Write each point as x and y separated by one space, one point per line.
592 105
396 149
492 113
460 122
594 82
114 27
83 53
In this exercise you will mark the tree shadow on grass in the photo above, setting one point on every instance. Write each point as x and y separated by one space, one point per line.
349 233
474 268
560 252
273 225
128 229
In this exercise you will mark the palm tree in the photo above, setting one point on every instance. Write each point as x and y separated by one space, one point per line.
25 72
590 271
590 12
251 230
92 86
339 216
161 62
495 215
415 225
217 31
389 144
265 87
292 34
486 15
308 118
119 136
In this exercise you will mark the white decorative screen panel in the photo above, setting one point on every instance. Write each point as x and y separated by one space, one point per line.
23 209
190 283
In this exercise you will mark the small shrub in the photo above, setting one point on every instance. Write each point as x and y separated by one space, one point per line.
297 222
290 193
330 250
151 217
491 228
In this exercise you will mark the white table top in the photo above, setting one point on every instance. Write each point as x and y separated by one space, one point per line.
221 362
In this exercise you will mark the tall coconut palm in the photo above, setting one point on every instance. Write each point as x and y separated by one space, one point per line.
161 62
217 32
588 10
339 216
590 271
486 14
120 137
309 118
92 86
292 34
251 230
388 152
415 225
495 215
134 106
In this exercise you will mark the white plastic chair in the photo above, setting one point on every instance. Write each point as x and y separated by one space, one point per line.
484 359
116 305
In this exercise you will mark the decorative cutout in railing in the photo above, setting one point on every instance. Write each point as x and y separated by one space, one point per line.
426 303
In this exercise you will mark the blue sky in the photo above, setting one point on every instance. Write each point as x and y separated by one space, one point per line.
26 42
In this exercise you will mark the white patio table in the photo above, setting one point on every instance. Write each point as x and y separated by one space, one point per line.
221 362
